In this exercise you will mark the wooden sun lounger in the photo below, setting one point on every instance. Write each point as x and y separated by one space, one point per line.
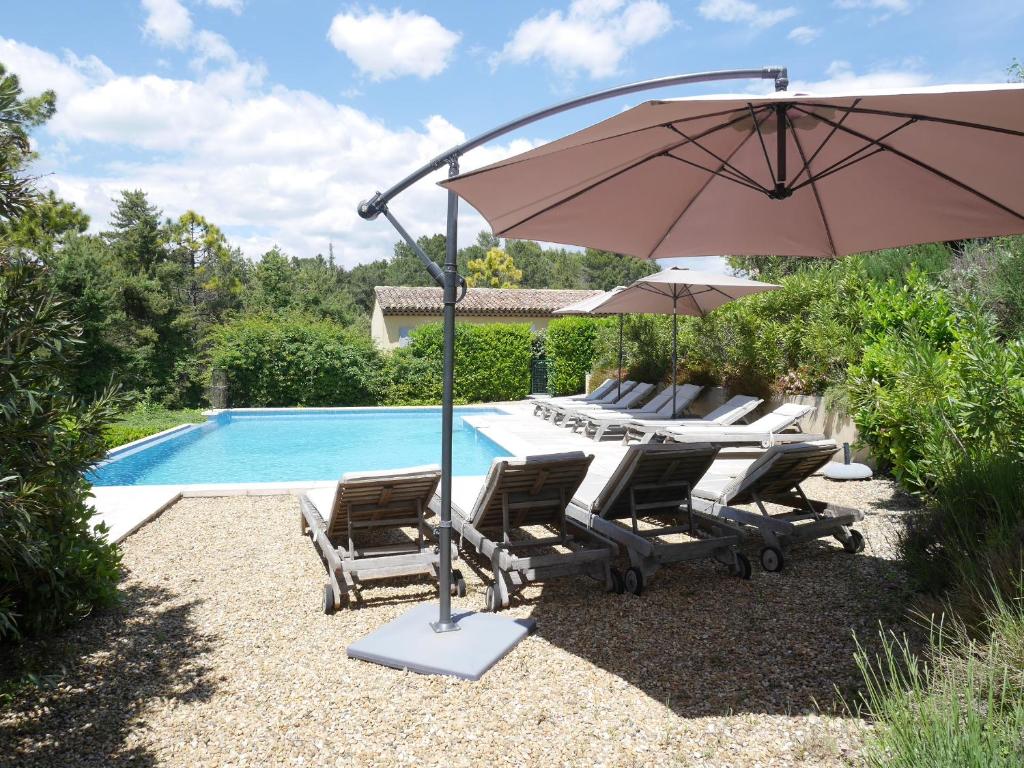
728 413
653 483
601 425
337 518
775 478
530 491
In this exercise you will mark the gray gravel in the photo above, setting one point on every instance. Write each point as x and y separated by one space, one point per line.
220 656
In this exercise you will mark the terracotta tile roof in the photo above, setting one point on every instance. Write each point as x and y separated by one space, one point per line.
501 302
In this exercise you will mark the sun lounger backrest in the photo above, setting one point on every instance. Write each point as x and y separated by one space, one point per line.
539 486
659 468
786 415
601 390
380 496
615 392
635 395
685 395
732 410
659 401
779 470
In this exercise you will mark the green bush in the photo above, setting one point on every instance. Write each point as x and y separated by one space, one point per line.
572 351
54 565
147 419
296 361
962 705
492 363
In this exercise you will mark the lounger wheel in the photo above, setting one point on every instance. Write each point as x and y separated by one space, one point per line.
634 581
854 542
742 567
458 584
772 559
492 601
328 602
618 582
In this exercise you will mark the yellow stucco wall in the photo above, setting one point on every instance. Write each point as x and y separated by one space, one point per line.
386 330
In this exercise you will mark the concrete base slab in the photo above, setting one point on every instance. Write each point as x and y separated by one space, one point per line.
409 642
125 509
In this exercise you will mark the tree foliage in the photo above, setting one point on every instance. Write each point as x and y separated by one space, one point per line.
497 269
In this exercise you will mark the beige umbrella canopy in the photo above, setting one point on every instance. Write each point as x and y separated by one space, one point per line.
675 291
787 174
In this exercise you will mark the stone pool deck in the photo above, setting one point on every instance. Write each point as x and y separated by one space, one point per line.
125 509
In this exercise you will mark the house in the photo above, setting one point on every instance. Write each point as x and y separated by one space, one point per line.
397 310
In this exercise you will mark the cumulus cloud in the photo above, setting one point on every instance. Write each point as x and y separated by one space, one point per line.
268 164
804 35
168 22
388 45
890 6
841 78
744 12
235 6
594 36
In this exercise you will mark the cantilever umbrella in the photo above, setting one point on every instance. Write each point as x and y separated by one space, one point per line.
786 174
679 291
592 306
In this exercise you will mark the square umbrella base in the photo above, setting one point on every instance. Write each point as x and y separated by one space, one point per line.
409 642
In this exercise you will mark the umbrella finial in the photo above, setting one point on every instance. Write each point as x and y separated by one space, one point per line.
781 79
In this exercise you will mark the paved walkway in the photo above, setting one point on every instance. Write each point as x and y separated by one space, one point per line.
124 509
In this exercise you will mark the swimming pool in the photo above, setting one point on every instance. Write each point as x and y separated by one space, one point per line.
294 445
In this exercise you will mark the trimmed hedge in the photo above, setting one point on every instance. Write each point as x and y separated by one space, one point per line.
492 363
572 348
287 361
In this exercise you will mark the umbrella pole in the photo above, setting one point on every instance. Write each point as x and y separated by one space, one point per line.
675 373
619 393
444 621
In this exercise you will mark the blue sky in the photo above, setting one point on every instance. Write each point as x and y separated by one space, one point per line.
274 118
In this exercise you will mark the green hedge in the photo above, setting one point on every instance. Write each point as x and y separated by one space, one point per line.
288 361
492 363
571 351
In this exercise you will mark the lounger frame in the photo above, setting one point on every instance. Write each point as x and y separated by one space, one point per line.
667 474
349 565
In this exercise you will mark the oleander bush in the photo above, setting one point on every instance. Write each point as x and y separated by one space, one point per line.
286 360
55 566
492 363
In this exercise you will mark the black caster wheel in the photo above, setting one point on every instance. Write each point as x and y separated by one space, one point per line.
742 567
618 582
492 601
772 559
855 543
458 584
328 601
634 581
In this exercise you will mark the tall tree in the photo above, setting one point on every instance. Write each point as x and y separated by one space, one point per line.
213 272
495 270
18 115
135 236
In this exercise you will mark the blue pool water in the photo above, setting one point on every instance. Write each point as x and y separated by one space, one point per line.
296 445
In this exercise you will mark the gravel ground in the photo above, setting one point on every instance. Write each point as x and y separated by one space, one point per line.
220 656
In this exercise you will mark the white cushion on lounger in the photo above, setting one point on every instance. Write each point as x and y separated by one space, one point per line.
323 499
464 493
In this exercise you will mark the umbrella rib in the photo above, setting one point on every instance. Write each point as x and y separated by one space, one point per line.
814 188
921 164
719 173
838 165
760 137
908 115
704 186
814 155
634 164
724 163
522 159
826 174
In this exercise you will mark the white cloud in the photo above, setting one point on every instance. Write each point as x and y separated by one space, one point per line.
892 6
593 36
168 22
235 6
841 78
268 164
386 46
804 35
744 12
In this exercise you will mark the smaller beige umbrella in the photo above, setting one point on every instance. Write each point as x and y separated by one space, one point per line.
678 291
592 306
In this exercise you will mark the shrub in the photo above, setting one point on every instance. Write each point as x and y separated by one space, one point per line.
289 360
492 363
54 565
572 351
